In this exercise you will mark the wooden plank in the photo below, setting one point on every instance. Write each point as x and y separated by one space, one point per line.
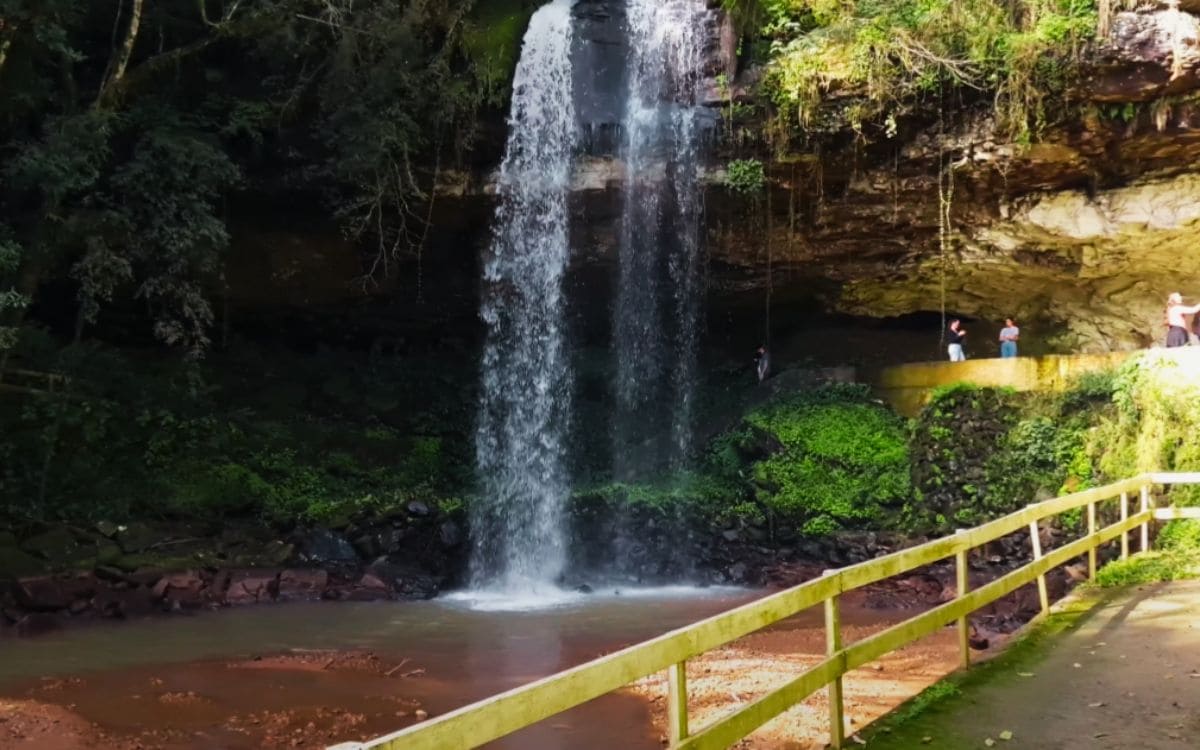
1145 506
1091 522
1035 539
1169 477
833 644
1124 515
740 722
1173 513
677 708
962 579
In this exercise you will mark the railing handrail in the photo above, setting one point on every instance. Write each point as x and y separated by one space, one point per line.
507 712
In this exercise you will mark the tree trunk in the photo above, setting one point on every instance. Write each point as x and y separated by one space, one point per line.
5 44
120 61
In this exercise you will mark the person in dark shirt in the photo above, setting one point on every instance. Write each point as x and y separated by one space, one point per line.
956 335
762 363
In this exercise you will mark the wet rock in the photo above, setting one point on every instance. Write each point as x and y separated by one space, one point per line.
278 552
405 580
731 535
324 546
15 563
107 528
58 545
418 508
50 593
137 537
375 543
185 589
252 586
129 602
737 572
110 574
37 623
450 534
302 584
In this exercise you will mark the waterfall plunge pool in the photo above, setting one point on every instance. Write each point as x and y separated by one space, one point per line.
317 673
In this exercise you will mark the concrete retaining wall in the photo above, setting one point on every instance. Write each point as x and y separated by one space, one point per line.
907 387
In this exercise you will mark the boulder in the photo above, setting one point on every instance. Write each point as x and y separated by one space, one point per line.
129 602
320 546
418 508
15 563
252 586
186 589
137 537
302 584
51 593
405 580
58 546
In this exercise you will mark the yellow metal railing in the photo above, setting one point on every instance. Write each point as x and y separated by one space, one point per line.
521 707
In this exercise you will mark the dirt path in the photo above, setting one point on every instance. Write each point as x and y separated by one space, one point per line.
752 666
1125 675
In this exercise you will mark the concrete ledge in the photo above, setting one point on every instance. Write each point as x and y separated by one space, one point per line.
907 387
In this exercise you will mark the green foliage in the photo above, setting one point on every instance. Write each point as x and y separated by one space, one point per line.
119 171
841 461
872 59
1150 567
745 176
127 441
955 446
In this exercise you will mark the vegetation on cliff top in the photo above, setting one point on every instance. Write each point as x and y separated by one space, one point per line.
867 63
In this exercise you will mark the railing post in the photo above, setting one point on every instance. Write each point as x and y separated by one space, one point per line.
677 710
961 559
1145 506
1091 522
1124 517
833 644
1036 541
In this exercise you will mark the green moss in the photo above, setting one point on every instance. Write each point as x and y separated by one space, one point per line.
841 461
492 41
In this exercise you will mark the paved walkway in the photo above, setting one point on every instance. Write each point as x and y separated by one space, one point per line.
1126 675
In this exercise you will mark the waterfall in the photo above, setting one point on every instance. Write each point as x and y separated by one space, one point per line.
524 409
657 315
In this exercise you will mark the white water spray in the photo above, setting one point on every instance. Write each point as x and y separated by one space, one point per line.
525 405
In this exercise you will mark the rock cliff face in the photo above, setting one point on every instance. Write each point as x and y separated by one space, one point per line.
1080 236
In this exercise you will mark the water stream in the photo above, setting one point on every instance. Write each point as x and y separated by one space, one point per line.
657 314
525 405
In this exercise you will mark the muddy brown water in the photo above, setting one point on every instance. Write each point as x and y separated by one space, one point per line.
209 680
311 675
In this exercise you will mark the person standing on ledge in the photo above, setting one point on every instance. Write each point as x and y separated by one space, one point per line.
957 334
1177 334
1008 338
762 363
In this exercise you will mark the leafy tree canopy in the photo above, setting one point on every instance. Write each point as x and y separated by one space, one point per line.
126 127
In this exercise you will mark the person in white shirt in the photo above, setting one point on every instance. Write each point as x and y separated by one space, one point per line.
1177 334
